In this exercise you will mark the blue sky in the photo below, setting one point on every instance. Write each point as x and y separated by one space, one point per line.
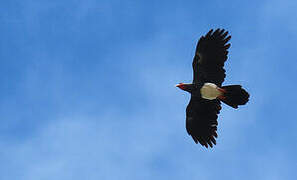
87 90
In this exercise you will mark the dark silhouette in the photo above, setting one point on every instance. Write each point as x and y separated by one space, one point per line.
206 89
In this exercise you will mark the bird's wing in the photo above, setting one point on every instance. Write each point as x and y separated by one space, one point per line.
201 120
211 54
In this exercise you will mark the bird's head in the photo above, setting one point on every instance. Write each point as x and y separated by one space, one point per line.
186 87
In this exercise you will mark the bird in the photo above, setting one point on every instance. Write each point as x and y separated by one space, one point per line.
206 89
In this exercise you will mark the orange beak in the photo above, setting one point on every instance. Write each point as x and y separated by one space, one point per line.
181 86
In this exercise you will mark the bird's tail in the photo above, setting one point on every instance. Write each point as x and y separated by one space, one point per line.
234 95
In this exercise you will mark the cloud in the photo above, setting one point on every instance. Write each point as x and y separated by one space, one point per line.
96 99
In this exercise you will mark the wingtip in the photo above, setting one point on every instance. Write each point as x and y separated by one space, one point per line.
209 32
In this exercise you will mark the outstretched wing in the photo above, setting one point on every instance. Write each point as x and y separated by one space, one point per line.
211 54
201 121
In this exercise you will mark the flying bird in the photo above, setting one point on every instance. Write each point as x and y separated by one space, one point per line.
207 91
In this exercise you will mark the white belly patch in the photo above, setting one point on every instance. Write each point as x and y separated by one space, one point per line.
210 91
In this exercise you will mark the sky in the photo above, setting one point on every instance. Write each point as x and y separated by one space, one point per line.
88 90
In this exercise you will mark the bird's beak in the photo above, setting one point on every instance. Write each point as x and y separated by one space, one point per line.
181 86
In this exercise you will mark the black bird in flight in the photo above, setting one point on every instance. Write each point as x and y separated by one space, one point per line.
207 91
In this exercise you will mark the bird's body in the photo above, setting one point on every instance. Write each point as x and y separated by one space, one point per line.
206 89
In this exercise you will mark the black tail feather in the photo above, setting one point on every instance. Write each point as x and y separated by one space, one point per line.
234 95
